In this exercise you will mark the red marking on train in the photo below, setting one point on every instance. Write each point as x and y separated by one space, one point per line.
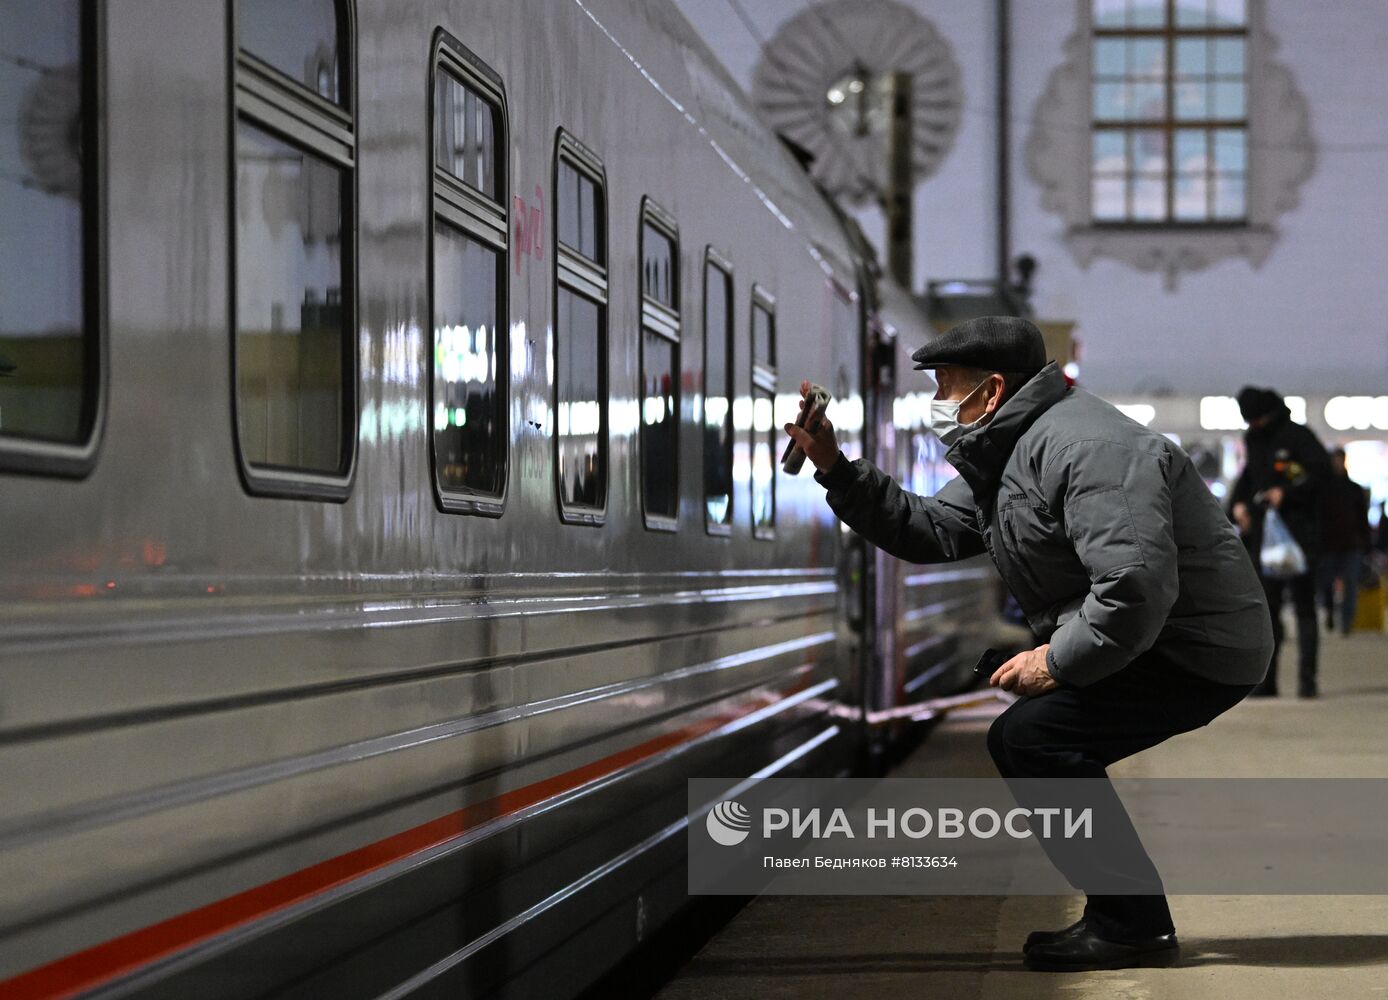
530 227
96 966
154 552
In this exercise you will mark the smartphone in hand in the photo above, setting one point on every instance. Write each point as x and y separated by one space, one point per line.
989 662
816 402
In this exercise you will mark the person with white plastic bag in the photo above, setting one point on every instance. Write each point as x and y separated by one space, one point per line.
1281 556
1277 501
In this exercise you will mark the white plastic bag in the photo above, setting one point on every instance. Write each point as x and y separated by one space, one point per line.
1281 556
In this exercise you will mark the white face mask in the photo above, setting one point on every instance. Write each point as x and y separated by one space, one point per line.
944 417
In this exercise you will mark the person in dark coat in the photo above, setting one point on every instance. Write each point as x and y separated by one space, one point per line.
1285 467
1344 542
1149 614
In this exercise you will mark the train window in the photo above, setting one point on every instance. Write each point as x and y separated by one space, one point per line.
465 134
471 231
289 306
660 368
297 38
763 461
718 394
580 333
763 336
295 289
469 443
659 417
580 205
49 264
580 413
659 279
763 409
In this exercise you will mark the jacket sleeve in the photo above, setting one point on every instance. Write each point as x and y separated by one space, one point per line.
1241 493
917 529
1117 508
1315 460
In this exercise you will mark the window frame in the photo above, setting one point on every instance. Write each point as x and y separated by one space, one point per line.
763 377
715 261
287 111
588 279
474 215
1061 167
664 322
1169 32
27 455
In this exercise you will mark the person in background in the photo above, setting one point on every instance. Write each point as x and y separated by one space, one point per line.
1344 541
1286 467
1380 543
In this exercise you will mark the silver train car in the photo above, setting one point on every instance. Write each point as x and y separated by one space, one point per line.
390 405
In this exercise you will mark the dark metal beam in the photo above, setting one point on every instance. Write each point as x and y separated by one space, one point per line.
1004 106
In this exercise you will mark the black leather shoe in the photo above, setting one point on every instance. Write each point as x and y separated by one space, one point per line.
1046 937
1085 951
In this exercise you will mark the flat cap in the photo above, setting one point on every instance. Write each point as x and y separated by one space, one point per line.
994 343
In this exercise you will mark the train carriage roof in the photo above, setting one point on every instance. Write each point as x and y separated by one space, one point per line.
675 59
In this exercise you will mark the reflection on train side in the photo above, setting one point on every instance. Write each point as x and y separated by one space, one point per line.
922 465
462 359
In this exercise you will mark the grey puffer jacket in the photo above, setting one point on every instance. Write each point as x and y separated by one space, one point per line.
1102 529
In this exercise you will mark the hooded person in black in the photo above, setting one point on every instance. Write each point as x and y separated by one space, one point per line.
1286 467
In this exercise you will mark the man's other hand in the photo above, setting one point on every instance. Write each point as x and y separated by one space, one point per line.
821 447
1025 673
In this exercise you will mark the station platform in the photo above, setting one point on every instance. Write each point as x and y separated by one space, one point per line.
964 947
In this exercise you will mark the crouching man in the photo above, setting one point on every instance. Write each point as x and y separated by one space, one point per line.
1149 613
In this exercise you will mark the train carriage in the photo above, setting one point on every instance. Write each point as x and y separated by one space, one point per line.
393 519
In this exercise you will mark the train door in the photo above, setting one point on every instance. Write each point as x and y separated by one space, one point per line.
843 318
881 585
865 380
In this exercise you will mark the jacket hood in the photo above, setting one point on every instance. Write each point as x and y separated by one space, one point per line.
981 454
1280 415
1255 402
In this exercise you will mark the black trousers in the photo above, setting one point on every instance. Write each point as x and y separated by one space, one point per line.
1077 732
1303 590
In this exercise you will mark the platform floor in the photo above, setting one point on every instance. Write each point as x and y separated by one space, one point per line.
964 947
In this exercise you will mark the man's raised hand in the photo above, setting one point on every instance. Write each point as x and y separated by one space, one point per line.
820 447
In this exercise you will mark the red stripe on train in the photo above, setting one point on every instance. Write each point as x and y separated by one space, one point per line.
121 956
